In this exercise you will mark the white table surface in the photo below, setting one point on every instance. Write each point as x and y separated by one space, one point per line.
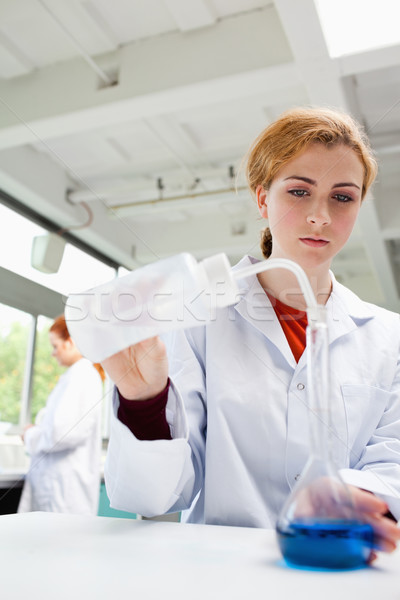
54 556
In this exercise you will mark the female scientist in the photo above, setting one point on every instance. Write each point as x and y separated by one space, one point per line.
226 434
65 443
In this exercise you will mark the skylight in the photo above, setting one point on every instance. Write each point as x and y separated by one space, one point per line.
352 26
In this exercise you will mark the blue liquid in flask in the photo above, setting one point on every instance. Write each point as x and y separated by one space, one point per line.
329 544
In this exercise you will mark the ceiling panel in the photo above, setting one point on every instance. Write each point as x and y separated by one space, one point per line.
134 20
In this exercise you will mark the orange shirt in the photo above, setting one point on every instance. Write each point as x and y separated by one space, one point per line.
294 323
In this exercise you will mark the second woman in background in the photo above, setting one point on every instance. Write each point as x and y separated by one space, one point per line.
65 444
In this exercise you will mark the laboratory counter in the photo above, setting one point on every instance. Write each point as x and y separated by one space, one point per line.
48 555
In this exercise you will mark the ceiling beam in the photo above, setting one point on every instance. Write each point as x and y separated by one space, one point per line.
157 76
320 73
372 60
191 15
13 61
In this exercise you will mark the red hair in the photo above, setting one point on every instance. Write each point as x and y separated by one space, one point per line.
294 131
59 327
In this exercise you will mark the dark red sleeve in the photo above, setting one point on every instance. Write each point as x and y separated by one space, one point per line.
146 419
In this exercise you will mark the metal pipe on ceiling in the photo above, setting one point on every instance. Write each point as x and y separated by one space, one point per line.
160 201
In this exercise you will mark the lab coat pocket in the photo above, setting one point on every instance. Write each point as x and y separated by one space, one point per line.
364 406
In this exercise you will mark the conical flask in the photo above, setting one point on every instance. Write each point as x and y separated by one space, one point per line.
318 525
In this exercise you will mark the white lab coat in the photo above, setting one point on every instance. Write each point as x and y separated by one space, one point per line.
237 409
65 446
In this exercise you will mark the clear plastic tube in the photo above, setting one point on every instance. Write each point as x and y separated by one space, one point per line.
282 263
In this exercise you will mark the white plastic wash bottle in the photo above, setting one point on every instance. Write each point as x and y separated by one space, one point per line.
173 293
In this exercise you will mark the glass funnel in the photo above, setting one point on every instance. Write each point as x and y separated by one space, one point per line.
318 525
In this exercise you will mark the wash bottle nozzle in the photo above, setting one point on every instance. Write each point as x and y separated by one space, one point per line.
281 263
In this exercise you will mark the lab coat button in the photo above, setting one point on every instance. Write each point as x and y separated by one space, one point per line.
297 477
300 386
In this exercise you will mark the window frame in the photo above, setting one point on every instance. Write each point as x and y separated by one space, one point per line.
37 300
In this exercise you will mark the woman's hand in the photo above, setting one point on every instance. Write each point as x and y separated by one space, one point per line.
327 498
372 510
140 372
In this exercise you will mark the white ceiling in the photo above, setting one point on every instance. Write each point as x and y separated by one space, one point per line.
105 102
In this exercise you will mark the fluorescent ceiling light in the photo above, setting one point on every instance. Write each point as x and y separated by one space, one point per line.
352 26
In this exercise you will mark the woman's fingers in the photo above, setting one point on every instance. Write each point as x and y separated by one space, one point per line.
140 371
386 532
366 502
372 510
321 498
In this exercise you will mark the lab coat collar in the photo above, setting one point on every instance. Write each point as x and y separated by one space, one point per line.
345 311
356 308
255 306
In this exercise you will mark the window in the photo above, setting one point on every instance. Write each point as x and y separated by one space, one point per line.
15 332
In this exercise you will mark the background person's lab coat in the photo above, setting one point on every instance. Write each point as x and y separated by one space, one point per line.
239 418
65 446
